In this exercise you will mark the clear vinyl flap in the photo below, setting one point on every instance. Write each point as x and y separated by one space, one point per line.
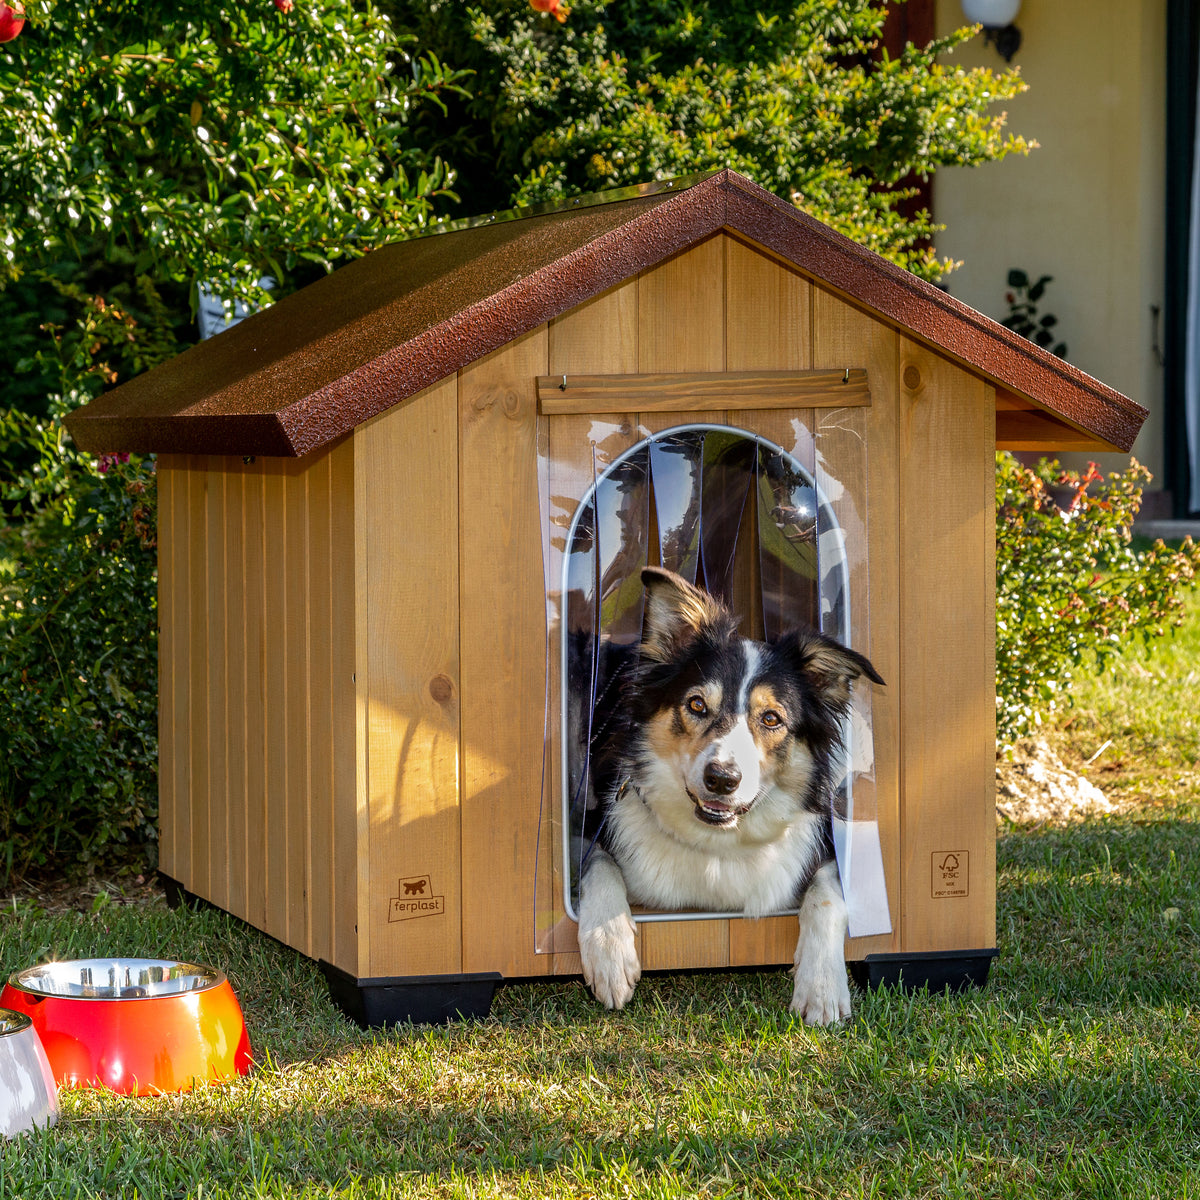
841 482
616 498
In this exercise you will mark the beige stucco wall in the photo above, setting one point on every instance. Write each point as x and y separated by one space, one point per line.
1088 206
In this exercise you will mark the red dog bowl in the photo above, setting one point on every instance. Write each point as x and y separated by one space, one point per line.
138 1026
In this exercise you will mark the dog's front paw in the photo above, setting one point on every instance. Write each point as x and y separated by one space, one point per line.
821 998
608 951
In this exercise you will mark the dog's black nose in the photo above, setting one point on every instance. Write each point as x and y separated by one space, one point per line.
721 778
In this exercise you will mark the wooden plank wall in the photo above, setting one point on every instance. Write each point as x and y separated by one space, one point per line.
503 656
946 469
409 687
842 334
309 798
256 716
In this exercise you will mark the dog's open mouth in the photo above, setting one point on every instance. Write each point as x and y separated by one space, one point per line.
712 810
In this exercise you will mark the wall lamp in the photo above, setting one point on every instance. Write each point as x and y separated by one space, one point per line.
996 17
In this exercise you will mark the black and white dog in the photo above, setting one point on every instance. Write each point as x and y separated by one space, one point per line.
715 788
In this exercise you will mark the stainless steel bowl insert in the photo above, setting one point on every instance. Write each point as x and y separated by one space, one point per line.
12 1022
116 978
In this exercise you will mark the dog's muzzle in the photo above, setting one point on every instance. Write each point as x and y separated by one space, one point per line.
718 811
715 805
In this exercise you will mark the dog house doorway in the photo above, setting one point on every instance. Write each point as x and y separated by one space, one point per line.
765 525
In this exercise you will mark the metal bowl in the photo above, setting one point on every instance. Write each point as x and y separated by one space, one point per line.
134 1025
28 1097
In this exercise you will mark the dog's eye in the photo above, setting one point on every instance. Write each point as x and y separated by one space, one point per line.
771 719
696 705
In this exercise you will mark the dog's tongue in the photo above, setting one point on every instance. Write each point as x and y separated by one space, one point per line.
715 805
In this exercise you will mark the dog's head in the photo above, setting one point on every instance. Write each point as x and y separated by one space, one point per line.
731 723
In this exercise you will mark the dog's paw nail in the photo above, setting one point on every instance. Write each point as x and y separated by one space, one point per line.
819 1014
614 992
821 1002
610 962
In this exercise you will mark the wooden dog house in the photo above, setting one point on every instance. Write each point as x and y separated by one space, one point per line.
352 597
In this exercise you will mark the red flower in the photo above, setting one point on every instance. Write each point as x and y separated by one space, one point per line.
556 8
284 6
106 462
12 20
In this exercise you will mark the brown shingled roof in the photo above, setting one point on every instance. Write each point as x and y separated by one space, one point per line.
294 377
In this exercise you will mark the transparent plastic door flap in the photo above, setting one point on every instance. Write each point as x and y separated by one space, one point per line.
840 479
705 501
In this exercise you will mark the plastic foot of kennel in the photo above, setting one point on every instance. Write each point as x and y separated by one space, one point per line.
421 999
177 895
937 970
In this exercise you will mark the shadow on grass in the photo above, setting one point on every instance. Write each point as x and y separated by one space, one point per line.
1037 1114
1072 1074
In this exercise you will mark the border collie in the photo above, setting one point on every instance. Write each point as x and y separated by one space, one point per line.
714 775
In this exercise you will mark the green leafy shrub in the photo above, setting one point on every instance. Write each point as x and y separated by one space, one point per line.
78 673
792 93
1070 588
211 142
144 148
78 626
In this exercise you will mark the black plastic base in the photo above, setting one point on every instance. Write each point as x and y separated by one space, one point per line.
421 999
937 970
440 999
178 896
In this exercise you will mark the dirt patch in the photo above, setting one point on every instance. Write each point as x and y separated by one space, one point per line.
84 893
1035 787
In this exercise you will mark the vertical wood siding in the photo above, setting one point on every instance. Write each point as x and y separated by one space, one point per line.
947 652
503 656
843 336
255 671
353 654
406 471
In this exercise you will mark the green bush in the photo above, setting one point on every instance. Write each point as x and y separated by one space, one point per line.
792 93
78 657
1070 588
78 672
211 142
146 147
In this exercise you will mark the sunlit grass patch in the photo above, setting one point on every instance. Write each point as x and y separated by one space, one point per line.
1139 720
1072 1074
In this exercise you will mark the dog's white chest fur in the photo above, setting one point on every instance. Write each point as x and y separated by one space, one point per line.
715 870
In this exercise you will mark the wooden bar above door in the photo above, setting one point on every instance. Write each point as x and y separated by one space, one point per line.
709 391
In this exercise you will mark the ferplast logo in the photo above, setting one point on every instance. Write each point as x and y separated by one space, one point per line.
414 898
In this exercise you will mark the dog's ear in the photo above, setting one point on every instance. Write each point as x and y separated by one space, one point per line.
829 666
676 613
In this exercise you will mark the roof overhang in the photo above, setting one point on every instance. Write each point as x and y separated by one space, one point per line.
293 378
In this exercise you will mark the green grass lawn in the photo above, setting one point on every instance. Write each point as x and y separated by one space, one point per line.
1148 705
1075 1073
